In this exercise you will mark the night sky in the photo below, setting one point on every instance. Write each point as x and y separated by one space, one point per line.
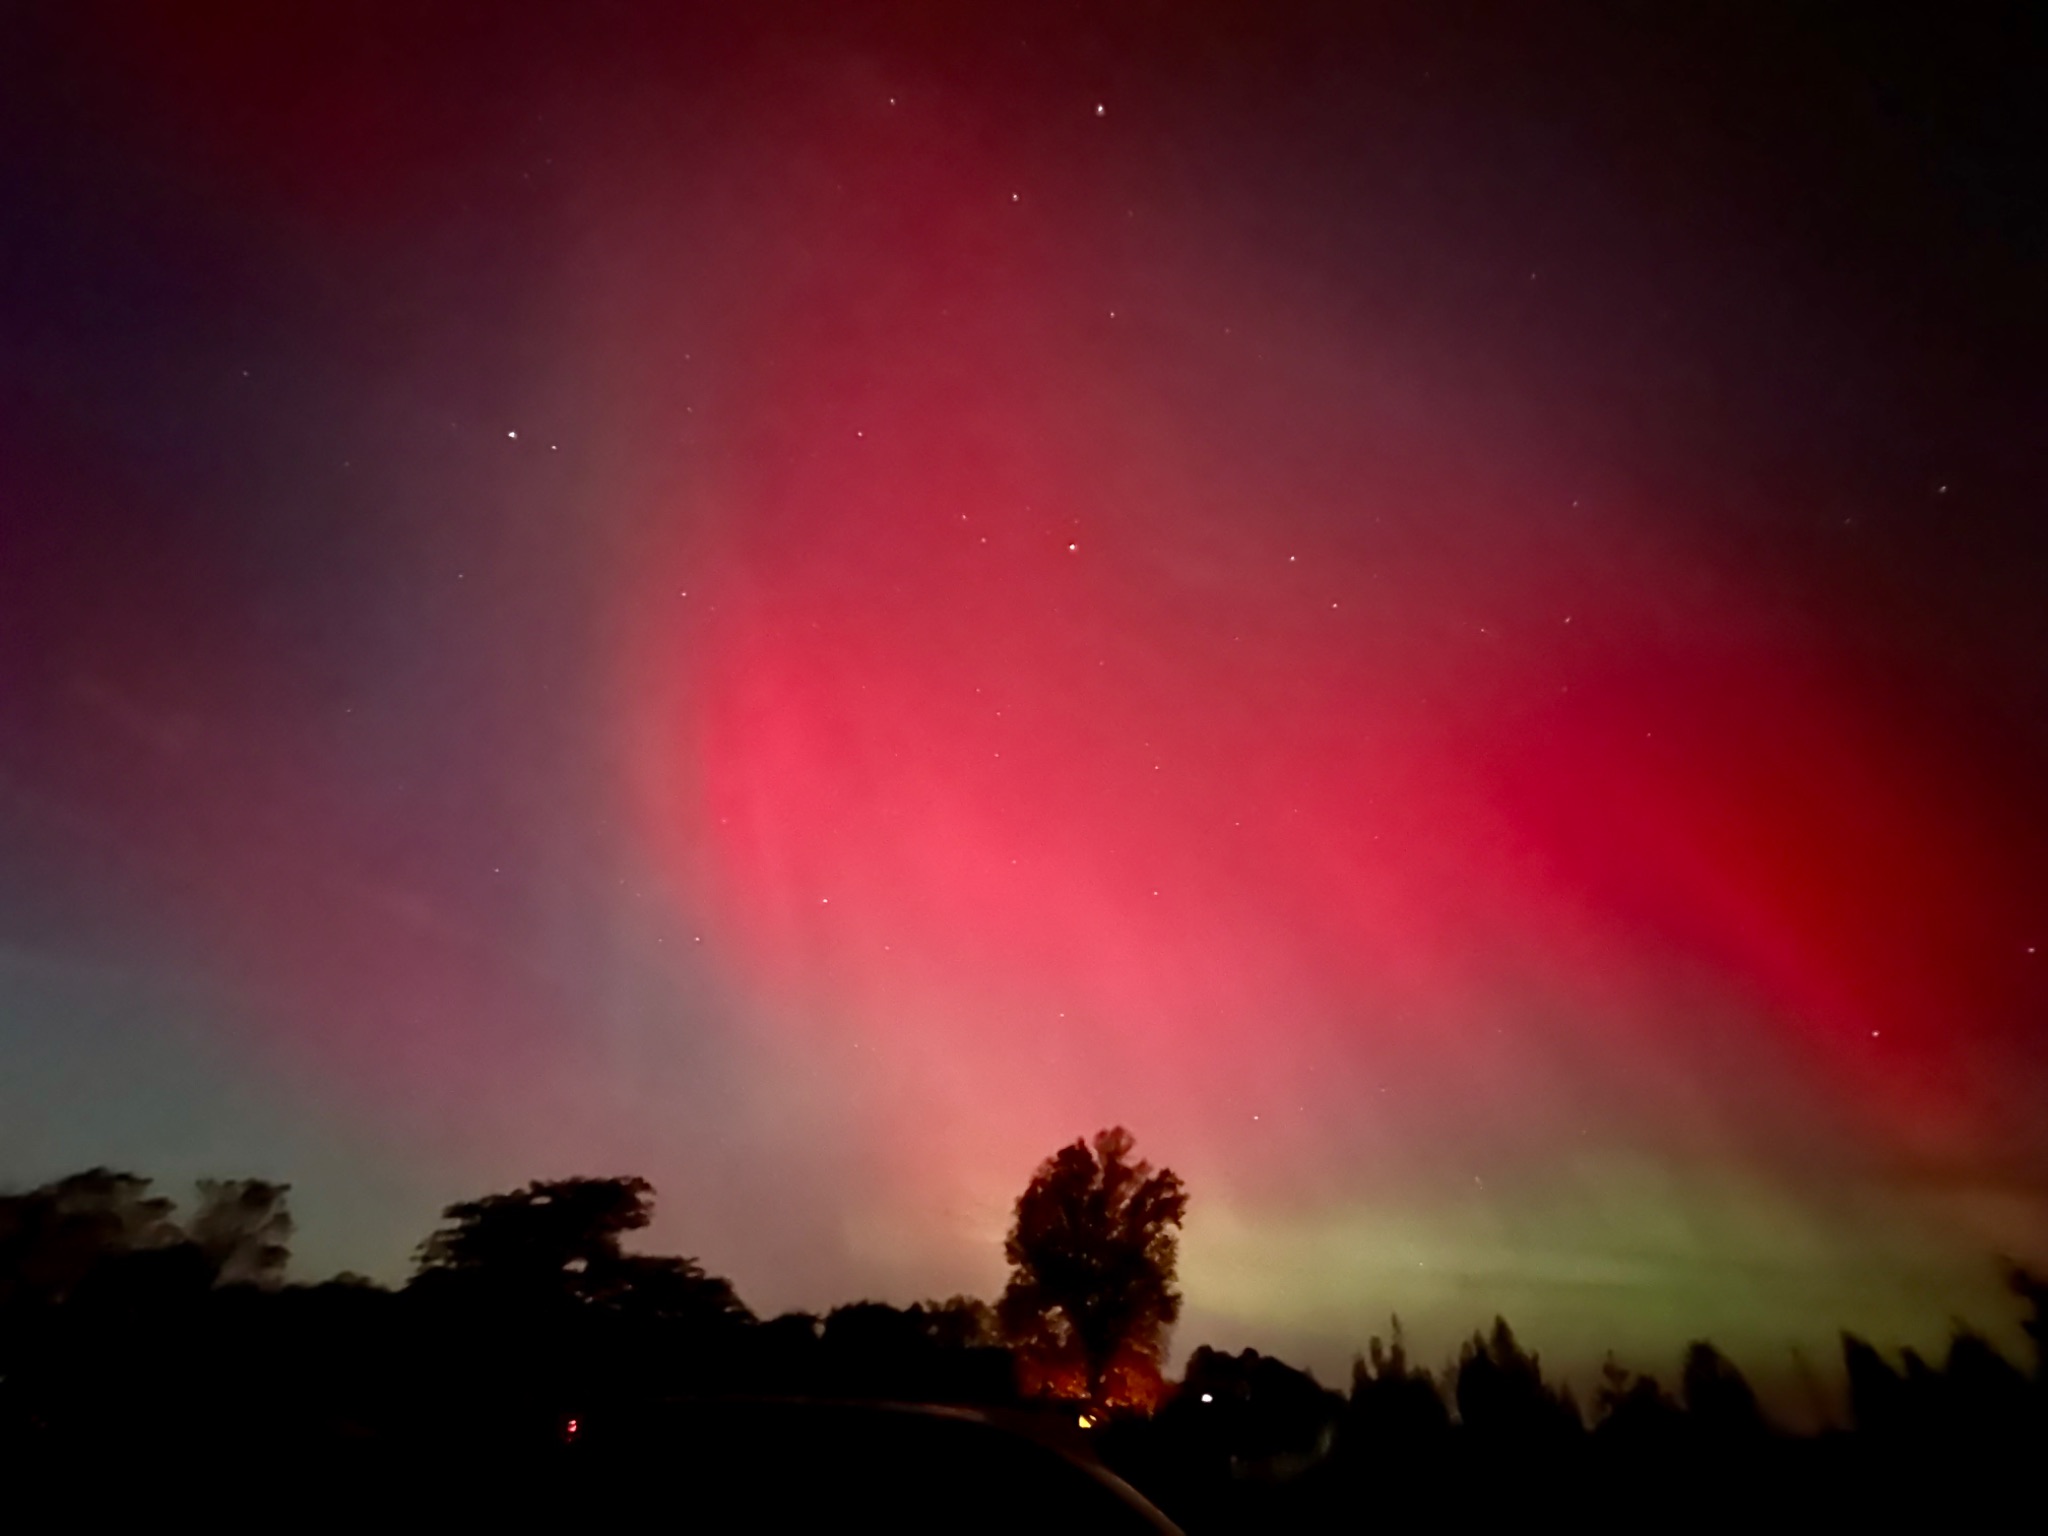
1444 611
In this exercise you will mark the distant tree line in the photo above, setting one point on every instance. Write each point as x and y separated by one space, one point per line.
123 1323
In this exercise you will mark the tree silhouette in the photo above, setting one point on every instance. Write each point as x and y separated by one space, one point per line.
555 1244
1877 1394
53 1238
129 1327
1503 1397
661 1288
1392 1399
960 1322
2033 1290
1092 1252
554 1237
244 1229
1717 1396
1633 1409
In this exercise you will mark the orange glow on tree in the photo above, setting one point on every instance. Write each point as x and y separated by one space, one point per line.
1092 1250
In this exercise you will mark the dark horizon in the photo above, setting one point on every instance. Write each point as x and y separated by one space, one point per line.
1798 1396
535 1368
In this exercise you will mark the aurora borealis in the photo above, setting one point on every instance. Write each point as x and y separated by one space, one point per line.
1444 617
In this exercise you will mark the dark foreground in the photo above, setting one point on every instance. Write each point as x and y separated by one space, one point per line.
779 1465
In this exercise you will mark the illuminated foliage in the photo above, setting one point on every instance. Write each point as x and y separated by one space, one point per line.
1092 1250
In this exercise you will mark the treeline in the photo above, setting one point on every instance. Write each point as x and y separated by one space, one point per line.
120 1321
126 1328
1247 1442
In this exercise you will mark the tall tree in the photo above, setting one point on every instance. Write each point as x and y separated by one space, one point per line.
1092 1251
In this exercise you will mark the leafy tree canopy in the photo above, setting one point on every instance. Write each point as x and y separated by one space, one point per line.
561 1239
98 1233
1092 1251
541 1235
